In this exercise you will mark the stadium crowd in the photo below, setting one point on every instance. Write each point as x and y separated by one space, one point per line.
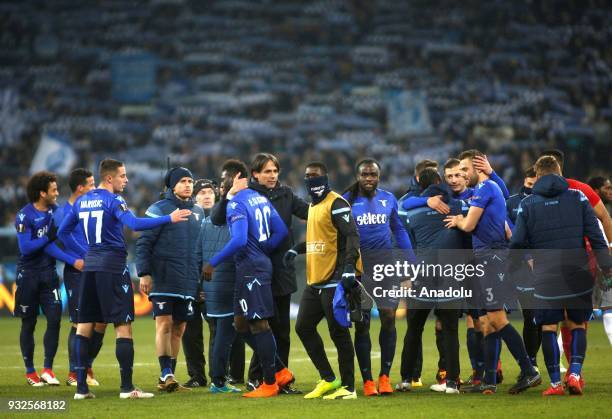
306 81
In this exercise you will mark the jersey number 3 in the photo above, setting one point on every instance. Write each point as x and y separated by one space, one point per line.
97 215
264 225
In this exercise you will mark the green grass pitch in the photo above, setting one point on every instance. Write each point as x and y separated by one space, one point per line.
200 403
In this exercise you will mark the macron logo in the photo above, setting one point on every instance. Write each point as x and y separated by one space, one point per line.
125 288
233 205
21 216
383 202
250 284
501 277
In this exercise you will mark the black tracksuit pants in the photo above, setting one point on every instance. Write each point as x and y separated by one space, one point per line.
315 305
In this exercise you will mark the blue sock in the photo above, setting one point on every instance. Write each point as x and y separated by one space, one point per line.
363 349
492 342
551 354
516 346
266 351
249 339
165 365
51 339
479 356
26 342
579 345
173 362
387 339
124 351
470 339
71 354
81 352
94 348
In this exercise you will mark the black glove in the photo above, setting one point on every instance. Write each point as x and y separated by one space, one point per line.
52 233
348 278
289 258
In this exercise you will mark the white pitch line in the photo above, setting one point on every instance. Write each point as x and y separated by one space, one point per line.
374 355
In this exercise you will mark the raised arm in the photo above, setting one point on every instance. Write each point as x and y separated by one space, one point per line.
145 243
239 229
64 233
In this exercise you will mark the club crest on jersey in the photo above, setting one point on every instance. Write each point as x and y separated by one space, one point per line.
21 228
125 288
250 284
190 308
197 216
23 308
70 293
123 207
383 202
161 304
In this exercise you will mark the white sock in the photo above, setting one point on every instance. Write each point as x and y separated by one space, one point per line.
607 321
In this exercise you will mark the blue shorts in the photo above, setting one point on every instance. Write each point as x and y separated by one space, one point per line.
253 297
37 290
578 309
180 309
106 298
72 284
497 290
556 315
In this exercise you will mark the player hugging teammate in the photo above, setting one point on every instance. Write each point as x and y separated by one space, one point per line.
243 250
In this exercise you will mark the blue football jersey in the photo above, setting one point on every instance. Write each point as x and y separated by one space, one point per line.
99 214
376 219
77 234
32 226
258 211
465 195
490 232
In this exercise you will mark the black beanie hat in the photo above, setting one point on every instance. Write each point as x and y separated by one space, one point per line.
175 174
204 183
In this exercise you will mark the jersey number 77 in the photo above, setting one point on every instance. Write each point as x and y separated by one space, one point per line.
97 217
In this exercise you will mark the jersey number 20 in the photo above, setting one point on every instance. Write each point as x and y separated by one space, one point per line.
263 219
97 215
